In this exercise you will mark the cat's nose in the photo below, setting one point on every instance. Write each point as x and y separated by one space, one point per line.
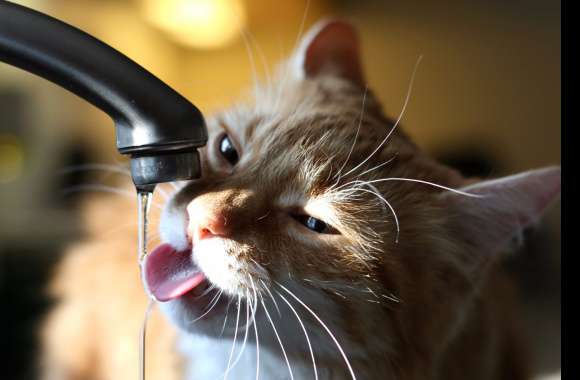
219 214
204 224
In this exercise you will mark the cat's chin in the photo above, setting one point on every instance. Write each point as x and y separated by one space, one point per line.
199 313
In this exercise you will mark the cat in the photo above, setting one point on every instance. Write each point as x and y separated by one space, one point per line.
320 239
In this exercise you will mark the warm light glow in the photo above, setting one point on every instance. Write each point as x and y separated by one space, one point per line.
198 23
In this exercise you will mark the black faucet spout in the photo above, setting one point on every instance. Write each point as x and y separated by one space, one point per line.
157 127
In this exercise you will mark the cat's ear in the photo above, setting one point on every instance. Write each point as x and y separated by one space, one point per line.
504 207
331 47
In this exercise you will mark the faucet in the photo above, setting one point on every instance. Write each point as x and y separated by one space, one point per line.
157 127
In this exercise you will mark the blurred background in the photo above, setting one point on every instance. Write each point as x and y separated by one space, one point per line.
486 100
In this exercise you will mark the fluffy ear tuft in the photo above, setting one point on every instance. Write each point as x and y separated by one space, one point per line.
330 47
507 205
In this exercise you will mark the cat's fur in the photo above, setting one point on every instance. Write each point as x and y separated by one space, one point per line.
419 295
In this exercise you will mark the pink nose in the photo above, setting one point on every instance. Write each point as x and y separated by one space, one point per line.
206 223
221 213
207 228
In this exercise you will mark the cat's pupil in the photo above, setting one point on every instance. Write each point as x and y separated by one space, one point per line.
314 224
228 150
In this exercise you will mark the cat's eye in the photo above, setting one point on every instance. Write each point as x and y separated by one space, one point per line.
314 224
228 150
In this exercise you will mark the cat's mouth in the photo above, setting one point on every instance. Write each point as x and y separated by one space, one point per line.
169 273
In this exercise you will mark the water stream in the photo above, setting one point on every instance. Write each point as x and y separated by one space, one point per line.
144 197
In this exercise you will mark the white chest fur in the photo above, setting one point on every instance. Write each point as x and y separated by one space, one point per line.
207 358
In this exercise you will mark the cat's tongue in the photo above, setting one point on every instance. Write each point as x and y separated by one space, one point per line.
169 273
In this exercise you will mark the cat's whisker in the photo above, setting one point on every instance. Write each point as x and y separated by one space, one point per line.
252 64
406 102
338 174
206 292
235 337
256 333
263 217
262 56
379 165
305 334
212 304
302 23
372 292
246 329
288 67
104 189
456 191
117 169
253 307
226 317
375 192
272 297
278 338
347 362
340 294
391 298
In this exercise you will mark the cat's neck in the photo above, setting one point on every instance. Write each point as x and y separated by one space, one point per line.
207 358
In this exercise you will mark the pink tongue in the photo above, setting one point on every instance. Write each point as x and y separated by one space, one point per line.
169 273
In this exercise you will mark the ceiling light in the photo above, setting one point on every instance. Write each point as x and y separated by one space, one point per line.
198 23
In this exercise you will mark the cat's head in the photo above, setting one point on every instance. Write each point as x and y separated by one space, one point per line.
312 198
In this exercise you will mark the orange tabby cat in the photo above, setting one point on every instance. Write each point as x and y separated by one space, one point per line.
320 244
